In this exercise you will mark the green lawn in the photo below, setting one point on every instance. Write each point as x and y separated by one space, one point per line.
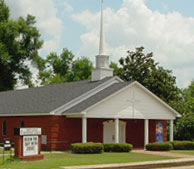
56 160
6 152
189 152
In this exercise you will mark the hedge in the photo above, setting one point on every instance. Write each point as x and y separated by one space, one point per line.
182 145
117 147
107 147
164 146
87 148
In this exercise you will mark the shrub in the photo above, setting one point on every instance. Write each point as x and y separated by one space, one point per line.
117 147
159 146
122 147
182 145
107 147
87 148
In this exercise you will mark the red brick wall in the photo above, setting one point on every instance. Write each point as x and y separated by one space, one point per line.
95 130
61 132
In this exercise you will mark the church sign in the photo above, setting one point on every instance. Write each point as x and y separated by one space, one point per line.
30 131
28 143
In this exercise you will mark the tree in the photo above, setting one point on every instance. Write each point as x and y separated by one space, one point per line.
19 44
63 68
81 69
141 67
184 126
189 97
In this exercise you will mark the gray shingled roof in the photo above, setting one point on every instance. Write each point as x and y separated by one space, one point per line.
97 97
42 100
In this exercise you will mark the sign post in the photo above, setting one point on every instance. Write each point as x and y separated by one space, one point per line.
28 143
6 147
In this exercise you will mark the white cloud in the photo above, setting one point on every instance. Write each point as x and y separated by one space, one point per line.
68 7
169 36
46 16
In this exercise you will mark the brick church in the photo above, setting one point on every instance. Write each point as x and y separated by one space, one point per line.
103 109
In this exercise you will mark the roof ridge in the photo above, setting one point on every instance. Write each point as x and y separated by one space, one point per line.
50 85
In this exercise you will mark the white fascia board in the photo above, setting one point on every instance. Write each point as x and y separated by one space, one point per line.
121 117
85 96
74 116
30 114
146 90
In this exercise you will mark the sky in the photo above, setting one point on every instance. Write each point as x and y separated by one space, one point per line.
164 27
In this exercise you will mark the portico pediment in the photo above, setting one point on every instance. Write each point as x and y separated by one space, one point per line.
132 102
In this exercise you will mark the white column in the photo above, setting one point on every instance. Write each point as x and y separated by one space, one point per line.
116 130
84 129
146 132
171 130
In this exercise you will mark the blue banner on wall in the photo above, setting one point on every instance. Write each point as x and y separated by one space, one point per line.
159 132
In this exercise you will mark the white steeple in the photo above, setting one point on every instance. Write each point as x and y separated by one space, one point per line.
101 45
102 69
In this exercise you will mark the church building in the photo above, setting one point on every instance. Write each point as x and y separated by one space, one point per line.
104 109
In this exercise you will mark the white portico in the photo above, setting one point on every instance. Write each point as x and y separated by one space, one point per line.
132 102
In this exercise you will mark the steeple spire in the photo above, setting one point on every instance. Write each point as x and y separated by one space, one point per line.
101 45
102 69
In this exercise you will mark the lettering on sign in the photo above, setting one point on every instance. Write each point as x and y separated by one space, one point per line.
30 131
30 145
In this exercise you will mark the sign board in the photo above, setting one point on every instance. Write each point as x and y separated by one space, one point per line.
159 132
30 131
7 144
30 145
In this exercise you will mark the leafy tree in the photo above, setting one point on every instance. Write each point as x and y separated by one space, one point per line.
19 44
189 97
184 126
116 70
141 67
63 68
81 69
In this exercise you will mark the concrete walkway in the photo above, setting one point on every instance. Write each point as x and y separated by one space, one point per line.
139 165
164 153
185 160
183 167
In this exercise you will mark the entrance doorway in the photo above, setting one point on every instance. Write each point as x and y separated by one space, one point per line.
109 131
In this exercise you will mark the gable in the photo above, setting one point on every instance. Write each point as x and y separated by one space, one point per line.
133 101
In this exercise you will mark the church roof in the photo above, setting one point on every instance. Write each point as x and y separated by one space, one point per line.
43 100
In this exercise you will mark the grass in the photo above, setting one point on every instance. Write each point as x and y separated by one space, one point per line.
188 152
6 152
56 160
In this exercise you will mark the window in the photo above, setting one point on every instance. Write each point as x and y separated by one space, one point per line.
21 123
4 128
